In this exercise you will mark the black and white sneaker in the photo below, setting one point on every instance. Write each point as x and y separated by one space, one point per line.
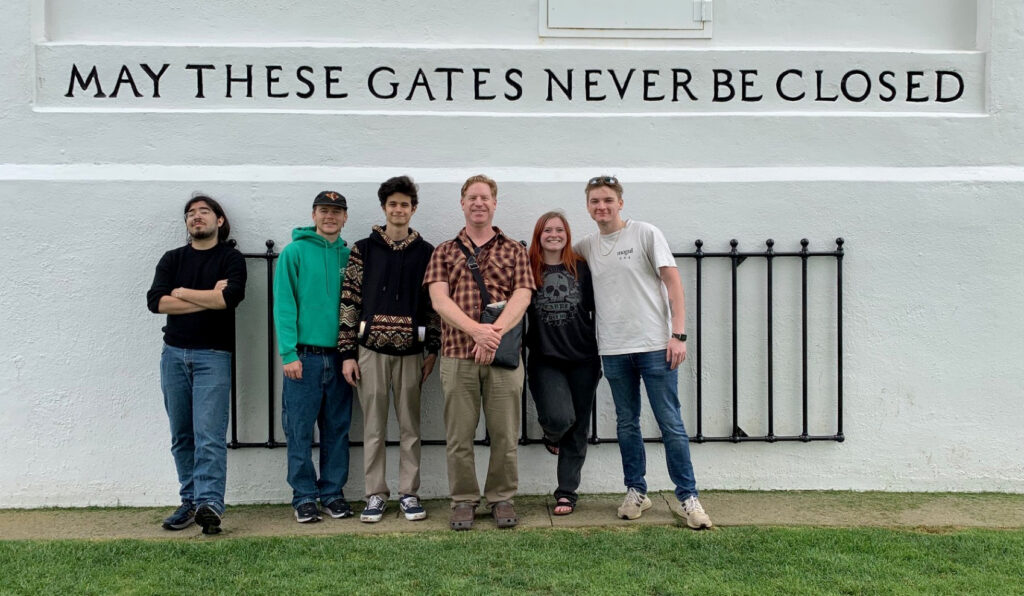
208 518
307 513
339 508
374 510
410 506
183 517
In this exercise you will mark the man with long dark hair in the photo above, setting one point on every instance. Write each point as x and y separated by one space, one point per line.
198 287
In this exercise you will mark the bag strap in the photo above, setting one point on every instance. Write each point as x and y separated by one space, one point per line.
474 268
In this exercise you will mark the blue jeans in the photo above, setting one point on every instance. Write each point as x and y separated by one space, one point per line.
624 372
320 397
197 392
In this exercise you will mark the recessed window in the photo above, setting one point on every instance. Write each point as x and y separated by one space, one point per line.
625 18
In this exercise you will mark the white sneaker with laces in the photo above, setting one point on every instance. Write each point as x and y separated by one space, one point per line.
695 516
634 504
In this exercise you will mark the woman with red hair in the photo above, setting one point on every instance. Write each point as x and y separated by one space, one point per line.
562 367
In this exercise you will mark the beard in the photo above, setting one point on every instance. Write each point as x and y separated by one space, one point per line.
203 234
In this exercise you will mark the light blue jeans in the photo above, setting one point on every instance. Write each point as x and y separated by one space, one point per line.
320 397
624 372
197 393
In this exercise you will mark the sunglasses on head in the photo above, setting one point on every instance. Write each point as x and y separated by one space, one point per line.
602 180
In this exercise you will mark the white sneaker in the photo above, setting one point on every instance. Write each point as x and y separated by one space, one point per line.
695 516
634 504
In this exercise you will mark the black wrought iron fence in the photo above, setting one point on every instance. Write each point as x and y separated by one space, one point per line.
736 258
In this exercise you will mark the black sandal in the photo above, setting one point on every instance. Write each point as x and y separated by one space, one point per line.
551 446
564 502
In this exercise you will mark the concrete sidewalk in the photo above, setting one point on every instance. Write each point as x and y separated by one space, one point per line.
726 508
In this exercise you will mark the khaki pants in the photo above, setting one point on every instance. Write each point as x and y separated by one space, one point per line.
468 385
379 374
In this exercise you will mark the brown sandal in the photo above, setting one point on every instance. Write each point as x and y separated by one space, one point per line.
564 502
504 514
462 517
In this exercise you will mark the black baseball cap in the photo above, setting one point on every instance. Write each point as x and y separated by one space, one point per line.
329 197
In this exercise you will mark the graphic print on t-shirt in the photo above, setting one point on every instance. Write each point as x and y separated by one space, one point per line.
559 298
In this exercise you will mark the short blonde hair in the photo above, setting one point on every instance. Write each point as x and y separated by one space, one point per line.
480 178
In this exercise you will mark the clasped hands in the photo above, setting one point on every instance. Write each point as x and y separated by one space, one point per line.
486 338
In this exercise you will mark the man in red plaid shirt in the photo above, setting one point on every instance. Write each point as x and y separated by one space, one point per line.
467 351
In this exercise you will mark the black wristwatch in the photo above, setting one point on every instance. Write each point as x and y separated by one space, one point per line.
679 336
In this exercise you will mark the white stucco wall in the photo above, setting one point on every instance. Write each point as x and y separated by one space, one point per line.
926 195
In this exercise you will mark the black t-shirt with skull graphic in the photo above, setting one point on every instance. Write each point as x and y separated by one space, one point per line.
560 320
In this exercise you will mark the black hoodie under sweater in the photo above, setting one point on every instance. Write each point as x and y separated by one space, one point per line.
383 288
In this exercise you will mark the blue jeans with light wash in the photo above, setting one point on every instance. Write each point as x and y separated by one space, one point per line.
197 392
624 372
320 397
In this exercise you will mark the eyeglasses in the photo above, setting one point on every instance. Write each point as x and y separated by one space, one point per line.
204 211
597 180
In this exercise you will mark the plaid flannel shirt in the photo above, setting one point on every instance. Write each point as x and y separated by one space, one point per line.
505 267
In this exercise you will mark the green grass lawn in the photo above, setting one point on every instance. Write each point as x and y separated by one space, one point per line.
644 560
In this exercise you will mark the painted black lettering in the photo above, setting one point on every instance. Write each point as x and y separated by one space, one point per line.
566 88
746 83
723 78
684 84
300 73
649 84
883 81
912 76
199 68
272 78
621 87
330 81
590 82
478 82
247 79
420 80
844 86
778 85
448 73
155 76
517 85
92 78
125 77
821 97
941 74
373 90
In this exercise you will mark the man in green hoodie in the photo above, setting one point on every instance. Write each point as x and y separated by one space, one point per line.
307 292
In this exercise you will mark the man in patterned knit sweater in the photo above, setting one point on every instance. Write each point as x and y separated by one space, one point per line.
386 322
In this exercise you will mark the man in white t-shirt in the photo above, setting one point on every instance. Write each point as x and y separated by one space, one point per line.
641 334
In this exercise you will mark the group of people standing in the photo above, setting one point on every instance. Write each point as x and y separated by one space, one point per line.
372 320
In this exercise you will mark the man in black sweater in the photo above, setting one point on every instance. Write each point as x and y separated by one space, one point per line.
198 287
386 323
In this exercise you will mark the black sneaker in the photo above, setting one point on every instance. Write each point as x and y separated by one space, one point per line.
182 517
209 519
339 508
374 510
410 506
307 513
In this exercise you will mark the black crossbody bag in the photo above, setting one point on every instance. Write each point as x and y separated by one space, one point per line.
510 349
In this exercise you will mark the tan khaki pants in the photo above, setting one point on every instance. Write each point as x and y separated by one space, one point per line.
380 374
468 385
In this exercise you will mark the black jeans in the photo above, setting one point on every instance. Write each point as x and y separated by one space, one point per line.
564 393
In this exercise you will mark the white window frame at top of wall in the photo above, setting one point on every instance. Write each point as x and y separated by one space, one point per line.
700 29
